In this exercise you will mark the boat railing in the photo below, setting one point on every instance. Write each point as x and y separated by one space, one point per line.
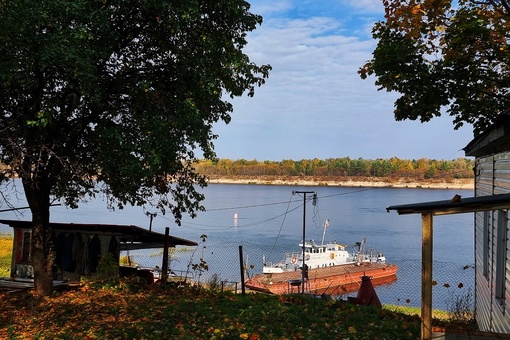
370 257
288 258
292 257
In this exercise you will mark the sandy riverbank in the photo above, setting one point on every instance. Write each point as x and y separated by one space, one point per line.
369 182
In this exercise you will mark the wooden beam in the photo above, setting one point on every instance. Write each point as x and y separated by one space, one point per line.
164 265
426 277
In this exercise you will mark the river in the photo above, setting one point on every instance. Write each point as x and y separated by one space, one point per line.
270 222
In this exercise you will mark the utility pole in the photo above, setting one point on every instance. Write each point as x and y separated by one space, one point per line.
303 266
152 216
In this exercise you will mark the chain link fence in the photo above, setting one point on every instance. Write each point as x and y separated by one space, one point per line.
453 284
221 265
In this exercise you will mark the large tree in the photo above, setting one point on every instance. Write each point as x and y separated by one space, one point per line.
116 97
444 56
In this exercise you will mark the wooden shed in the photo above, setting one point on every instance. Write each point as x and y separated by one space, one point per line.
77 247
492 249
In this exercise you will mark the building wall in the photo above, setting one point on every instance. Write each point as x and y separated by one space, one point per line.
492 254
74 252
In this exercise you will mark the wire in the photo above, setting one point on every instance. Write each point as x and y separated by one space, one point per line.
316 212
218 227
317 219
199 226
281 226
247 206
277 203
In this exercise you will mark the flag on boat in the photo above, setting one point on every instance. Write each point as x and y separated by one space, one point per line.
326 224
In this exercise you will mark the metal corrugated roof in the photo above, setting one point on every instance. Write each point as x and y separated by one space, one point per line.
493 140
131 236
455 205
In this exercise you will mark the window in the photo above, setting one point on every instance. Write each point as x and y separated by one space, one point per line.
501 250
486 242
26 247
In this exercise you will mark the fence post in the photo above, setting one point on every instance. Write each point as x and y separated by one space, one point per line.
243 289
164 266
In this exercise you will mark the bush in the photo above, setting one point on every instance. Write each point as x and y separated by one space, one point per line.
460 310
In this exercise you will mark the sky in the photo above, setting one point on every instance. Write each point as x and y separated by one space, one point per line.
314 104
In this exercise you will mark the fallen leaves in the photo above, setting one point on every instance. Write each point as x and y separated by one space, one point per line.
193 314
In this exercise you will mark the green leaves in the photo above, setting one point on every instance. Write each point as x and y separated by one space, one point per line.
118 97
438 58
124 92
40 121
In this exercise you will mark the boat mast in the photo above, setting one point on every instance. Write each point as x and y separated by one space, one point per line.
361 250
326 225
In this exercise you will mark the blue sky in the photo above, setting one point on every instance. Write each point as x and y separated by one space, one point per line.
314 105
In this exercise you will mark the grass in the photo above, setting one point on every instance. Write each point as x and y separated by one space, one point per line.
436 313
125 309
128 311
5 254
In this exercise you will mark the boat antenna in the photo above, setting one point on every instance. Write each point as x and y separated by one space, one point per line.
326 226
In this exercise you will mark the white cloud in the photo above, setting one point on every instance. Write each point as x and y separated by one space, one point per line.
364 6
270 7
315 105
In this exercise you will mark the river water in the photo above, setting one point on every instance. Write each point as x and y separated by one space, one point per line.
270 222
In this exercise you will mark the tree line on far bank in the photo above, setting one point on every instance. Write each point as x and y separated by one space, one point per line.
422 168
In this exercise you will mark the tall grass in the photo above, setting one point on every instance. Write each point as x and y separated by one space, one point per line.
409 310
5 254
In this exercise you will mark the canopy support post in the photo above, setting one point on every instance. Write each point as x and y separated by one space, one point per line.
426 277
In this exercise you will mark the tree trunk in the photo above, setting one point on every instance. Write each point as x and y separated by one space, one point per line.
38 198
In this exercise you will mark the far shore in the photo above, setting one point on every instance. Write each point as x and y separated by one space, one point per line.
464 184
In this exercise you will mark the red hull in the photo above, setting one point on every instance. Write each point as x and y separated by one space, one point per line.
335 280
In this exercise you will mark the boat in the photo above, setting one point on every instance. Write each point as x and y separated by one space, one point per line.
329 268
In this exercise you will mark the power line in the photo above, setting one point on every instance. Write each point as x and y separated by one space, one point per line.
278 203
223 227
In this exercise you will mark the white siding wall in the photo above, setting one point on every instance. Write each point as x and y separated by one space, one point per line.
492 177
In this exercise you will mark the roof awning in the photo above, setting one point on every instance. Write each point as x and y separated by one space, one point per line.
456 205
130 236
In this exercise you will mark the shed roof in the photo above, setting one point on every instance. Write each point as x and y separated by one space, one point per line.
493 140
455 205
130 236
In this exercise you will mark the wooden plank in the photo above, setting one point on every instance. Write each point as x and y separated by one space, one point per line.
426 277
9 285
